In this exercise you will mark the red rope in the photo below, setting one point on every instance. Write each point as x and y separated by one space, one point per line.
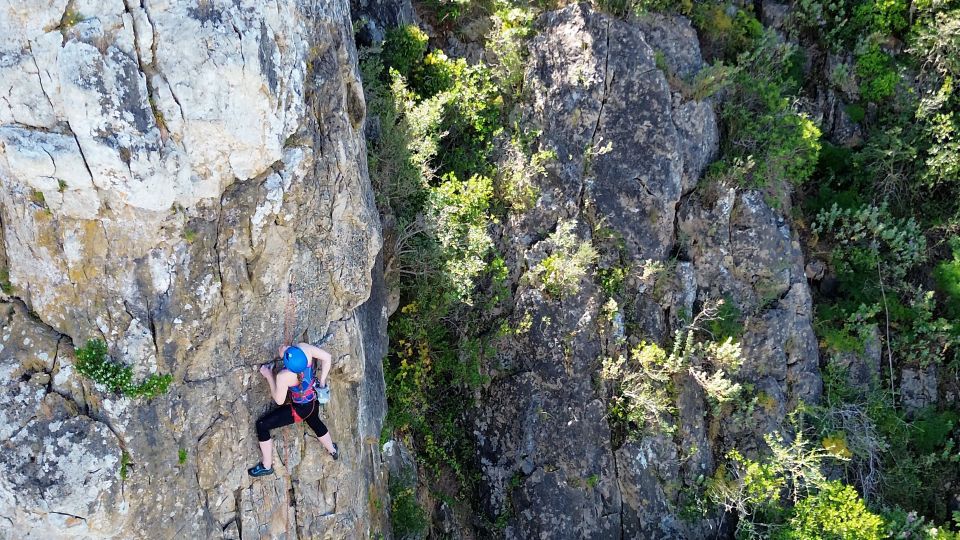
289 322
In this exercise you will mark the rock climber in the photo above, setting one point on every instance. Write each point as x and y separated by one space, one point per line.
298 376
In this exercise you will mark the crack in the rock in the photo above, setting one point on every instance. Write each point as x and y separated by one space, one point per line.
240 39
68 515
39 75
645 187
238 501
83 156
603 96
607 82
216 247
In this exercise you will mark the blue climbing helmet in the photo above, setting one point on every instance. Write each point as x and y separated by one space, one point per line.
294 359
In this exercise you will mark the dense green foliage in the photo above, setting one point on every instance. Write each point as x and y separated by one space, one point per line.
407 517
439 193
93 362
881 209
835 512
767 142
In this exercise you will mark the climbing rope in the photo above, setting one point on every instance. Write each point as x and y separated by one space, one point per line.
289 323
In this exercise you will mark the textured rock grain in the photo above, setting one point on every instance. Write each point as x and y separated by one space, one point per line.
167 169
630 153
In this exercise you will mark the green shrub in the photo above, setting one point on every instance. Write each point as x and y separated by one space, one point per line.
448 11
754 489
826 20
725 36
767 143
182 456
885 17
561 271
947 274
404 48
835 512
407 517
943 152
471 120
429 167
728 322
640 384
921 337
71 18
878 78
869 236
5 284
460 212
513 25
936 40
92 362
856 112
435 74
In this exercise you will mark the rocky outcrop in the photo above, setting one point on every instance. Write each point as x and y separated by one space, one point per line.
169 171
629 153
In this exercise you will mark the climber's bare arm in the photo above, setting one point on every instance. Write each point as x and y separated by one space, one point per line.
279 383
318 354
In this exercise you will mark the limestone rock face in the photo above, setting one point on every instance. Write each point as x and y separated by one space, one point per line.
630 152
186 181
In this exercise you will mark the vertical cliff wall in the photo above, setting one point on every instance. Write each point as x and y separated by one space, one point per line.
631 149
168 169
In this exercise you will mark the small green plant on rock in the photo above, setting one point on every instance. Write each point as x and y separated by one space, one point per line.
5 284
182 456
561 271
125 463
642 394
93 362
837 512
71 18
37 198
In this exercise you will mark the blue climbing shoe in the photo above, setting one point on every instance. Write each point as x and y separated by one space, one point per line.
336 452
323 394
259 470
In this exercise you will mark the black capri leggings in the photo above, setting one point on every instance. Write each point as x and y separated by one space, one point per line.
283 416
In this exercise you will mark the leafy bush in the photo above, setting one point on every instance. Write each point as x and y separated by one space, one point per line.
460 213
430 167
407 517
519 170
561 271
513 25
922 338
640 396
641 390
886 17
827 20
436 73
767 143
5 284
725 36
92 362
835 512
947 274
869 236
878 78
755 489
404 48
